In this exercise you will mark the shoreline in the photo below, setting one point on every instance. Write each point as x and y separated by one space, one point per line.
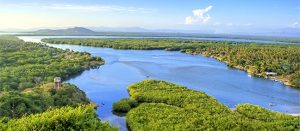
295 115
273 78
281 78
290 114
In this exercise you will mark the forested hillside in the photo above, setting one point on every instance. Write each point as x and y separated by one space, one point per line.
258 59
167 106
27 71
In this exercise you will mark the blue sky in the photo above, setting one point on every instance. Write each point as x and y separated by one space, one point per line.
208 15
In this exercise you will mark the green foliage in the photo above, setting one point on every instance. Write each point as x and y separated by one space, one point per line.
25 72
167 106
66 118
10 38
259 113
79 31
69 95
121 107
26 67
15 104
176 95
124 105
295 78
282 59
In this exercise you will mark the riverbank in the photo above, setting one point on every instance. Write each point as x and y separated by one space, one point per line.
281 79
294 115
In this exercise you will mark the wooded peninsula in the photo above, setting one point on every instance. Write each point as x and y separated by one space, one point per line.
168 107
28 99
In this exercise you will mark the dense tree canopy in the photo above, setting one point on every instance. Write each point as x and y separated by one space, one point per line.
65 118
167 106
124 105
25 65
26 87
25 70
255 58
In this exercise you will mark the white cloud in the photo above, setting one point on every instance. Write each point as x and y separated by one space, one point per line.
189 20
200 16
99 8
295 25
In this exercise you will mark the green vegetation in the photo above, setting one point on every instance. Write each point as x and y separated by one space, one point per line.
282 59
124 105
80 31
26 65
15 104
27 68
27 71
167 106
10 38
65 118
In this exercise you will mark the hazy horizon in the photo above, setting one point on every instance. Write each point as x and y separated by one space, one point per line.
200 16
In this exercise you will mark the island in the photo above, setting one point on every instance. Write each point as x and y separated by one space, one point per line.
168 107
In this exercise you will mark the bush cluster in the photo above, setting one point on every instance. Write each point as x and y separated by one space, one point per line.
26 88
167 106
124 105
65 118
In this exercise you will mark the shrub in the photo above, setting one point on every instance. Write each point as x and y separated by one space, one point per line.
124 105
131 102
66 118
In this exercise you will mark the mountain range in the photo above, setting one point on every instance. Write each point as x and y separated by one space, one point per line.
68 31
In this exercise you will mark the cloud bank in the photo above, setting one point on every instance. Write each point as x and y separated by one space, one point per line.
200 16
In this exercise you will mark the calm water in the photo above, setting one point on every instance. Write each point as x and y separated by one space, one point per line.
193 38
108 84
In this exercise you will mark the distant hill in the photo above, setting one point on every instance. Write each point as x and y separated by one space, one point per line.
120 29
289 32
68 31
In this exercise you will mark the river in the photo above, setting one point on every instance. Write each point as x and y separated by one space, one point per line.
108 84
